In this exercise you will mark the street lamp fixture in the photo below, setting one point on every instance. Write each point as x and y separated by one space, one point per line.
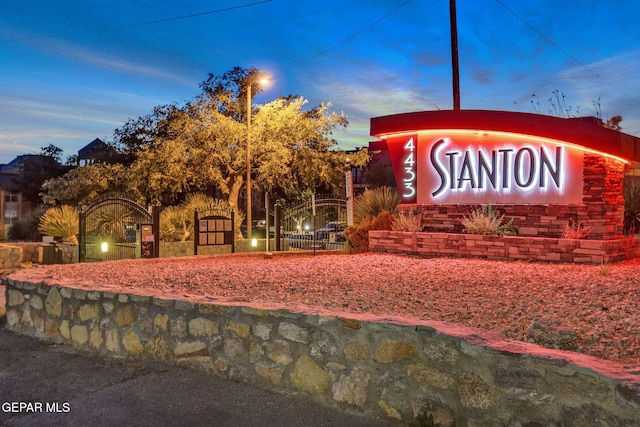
262 81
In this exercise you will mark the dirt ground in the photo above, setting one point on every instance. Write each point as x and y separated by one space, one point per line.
589 309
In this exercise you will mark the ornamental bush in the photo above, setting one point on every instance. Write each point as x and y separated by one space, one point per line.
371 203
486 220
60 222
407 221
357 236
26 230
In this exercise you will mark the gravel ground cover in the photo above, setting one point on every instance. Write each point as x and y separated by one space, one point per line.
590 309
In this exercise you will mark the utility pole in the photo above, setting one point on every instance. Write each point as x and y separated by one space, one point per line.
454 55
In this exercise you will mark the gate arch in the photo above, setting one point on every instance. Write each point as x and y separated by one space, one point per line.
111 219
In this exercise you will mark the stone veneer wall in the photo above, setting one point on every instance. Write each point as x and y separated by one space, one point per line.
31 254
10 256
388 367
602 208
503 247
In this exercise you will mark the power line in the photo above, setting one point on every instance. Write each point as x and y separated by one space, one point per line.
554 44
351 37
141 24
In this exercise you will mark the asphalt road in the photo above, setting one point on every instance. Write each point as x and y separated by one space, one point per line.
43 384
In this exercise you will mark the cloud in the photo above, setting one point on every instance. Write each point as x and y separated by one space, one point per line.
614 83
109 61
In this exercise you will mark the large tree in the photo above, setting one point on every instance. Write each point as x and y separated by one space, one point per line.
202 145
89 182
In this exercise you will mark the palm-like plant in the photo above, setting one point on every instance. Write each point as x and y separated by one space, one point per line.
60 222
373 202
173 223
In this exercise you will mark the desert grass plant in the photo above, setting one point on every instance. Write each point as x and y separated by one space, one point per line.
357 236
407 221
373 202
575 230
60 222
486 220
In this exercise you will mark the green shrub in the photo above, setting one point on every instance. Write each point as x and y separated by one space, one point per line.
26 230
373 202
60 222
357 236
485 220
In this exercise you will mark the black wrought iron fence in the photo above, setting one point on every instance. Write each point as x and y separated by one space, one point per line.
317 223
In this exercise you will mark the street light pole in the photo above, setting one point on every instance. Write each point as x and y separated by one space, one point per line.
263 80
249 225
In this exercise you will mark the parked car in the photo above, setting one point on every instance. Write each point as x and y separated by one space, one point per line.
336 227
303 241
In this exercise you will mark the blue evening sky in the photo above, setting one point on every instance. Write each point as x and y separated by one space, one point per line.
75 70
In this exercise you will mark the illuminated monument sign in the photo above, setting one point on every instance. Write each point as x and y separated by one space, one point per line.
476 167
471 157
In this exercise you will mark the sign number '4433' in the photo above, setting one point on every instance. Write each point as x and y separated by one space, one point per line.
409 165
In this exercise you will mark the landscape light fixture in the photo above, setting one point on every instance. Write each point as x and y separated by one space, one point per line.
104 248
262 80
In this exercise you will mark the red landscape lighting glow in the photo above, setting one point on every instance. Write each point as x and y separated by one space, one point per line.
487 133
457 166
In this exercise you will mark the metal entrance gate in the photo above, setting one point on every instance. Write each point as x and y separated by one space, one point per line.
302 230
108 229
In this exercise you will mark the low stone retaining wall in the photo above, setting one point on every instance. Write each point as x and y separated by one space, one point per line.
389 367
504 247
10 257
31 252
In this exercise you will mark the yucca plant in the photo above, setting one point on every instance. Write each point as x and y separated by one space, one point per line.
374 202
173 224
486 220
61 222
195 201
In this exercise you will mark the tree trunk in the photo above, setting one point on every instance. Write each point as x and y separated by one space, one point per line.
235 184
